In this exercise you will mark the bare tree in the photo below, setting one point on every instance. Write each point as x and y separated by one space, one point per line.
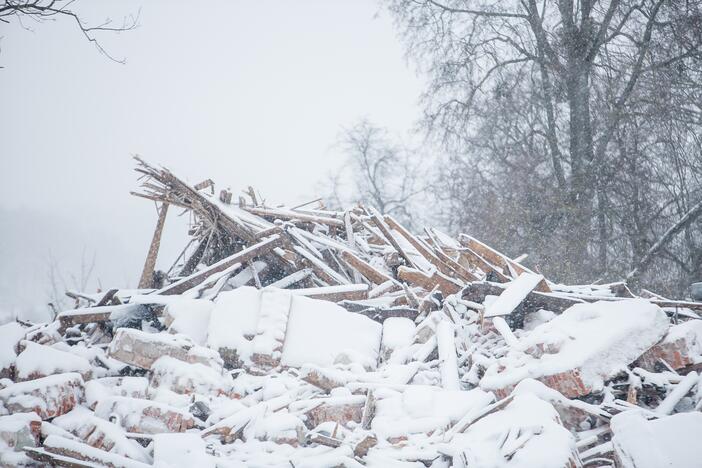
39 11
532 100
58 285
384 174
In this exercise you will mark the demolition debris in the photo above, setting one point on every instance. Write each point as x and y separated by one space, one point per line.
305 337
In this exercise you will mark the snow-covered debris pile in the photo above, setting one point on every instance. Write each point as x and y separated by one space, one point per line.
313 338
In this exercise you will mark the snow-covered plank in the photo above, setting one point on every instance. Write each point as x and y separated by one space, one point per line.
448 361
428 281
285 214
350 292
515 293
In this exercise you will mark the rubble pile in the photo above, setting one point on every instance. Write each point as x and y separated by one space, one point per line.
304 337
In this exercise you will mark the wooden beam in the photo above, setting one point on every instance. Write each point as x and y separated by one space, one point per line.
513 295
74 317
147 274
293 215
497 258
535 300
242 257
348 292
385 230
367 270
446 285
440 260
467 257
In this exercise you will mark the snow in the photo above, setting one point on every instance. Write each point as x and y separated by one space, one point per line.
311 292
54 442
180 450
671 441
184 377
39 361
398 332
84 424
190 317
281 426
43 393
319 332
99 389
131 412
423 409
418 259
515 293
691 333
598 338
16 422
274 307
525 434
536 388
448 362
233 319
681 389
10 335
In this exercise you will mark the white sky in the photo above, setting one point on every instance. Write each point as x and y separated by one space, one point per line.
246 93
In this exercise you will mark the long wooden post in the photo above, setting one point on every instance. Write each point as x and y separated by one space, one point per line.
147 275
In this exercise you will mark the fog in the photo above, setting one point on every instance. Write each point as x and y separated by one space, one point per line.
245 93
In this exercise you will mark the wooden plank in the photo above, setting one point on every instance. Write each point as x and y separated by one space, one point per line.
535 300
242 257
74 317
696 306
53 459
468 258
347 292
107 297
516 292
293 215
364 268
147 274
460 271
321 268
446 285
351 241
497 258
385 230
437 258
291 279
448 360
380 314
207 183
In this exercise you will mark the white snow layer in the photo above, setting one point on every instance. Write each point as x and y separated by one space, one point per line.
10 335
247 321
672 441
598 339
189 317
39 361
525 434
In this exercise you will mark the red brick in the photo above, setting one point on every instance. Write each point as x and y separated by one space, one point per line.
48 397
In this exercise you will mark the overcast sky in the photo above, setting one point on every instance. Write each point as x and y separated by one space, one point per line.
246 93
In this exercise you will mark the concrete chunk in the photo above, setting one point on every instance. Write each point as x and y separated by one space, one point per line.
144 416
681 347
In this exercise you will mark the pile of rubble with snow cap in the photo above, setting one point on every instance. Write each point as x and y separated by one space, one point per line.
299 336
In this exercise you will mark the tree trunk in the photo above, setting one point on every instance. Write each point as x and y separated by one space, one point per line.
579 210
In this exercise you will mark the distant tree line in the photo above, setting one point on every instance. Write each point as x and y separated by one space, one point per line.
569 130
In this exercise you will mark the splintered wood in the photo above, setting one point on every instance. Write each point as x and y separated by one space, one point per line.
308 337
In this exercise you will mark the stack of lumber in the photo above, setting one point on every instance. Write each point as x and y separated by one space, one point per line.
306 337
